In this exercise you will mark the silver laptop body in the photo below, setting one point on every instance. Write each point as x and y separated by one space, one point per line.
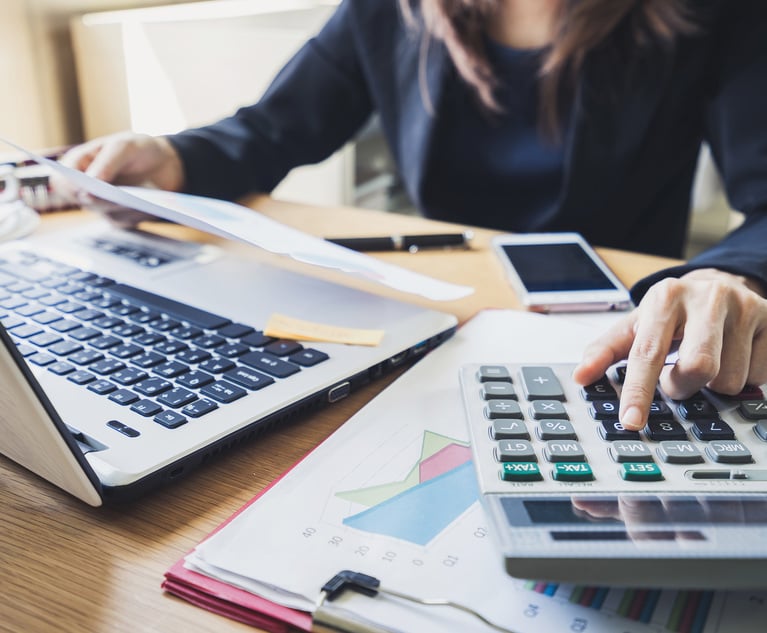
100 447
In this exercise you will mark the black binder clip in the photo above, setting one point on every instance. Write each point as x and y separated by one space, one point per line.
370 586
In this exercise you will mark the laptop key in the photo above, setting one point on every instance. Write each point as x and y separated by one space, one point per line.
129 376
235 330
194 316
177 397
193 356
101 387
170 419
45 339
85 333
223 391
152 386
248 378
170 347
81 377
106 366
41 359
283 347
150 359
65 347
199 408
170 369
257 339
308 357
195 379
123 396
61 368
147 408
269 364
217 365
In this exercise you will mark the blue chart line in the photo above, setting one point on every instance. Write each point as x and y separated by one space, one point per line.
420 513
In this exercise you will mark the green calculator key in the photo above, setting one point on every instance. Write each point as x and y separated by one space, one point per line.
634 471
572 471
521 471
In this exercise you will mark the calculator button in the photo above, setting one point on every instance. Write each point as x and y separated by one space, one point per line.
753 409
498 390
604 409
641 472
623 451
493 373
540 383
568 471
547 410
564 451
556 430
679 452
659 410
515 451
503 409
599 390
612 430
509 430
696 410
521 471
660 430
760 428
729 452
707 430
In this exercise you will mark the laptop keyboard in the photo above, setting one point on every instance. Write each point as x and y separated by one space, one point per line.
165 360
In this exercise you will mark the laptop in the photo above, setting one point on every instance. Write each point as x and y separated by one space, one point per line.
128 359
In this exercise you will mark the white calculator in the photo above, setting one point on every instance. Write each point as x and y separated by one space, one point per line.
572 496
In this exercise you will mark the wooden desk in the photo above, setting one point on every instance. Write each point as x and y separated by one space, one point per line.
68 567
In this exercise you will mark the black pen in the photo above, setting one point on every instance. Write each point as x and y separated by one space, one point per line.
410 243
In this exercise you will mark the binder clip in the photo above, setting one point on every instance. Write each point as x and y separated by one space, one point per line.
370 586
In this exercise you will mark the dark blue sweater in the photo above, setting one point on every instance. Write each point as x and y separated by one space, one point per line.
629 156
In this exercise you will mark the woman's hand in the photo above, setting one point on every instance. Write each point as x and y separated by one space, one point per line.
129 159
720 323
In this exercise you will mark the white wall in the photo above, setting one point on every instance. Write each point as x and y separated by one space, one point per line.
42 109
159 70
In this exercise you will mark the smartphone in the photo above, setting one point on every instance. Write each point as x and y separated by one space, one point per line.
559 272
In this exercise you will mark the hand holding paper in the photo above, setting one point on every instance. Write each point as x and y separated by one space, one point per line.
235 221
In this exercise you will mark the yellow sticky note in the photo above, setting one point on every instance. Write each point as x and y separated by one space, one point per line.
282 326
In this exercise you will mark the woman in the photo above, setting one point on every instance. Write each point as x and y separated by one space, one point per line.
534 115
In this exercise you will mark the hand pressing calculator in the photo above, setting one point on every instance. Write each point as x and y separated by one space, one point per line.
574 497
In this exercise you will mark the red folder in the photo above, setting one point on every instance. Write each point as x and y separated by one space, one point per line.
232 602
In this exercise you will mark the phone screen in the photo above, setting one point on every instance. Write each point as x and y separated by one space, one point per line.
556 268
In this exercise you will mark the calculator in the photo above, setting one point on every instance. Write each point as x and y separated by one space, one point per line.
572 496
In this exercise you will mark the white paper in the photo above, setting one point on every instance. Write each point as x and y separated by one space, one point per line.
235 221
299 534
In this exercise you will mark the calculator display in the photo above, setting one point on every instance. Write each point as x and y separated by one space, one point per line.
637 510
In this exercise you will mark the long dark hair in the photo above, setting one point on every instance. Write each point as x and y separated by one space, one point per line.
581 26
